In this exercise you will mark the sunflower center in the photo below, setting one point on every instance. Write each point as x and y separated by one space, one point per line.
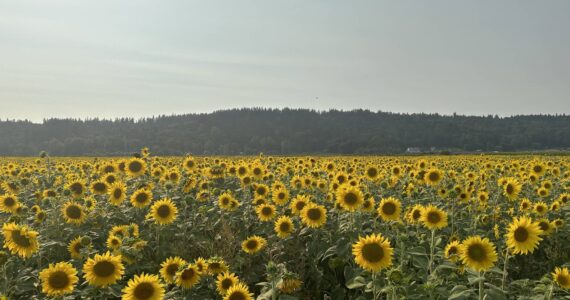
372 252
281 195
58 280
238 295
563 280
521 234
284 227
99 186
135 166
299 205
266 211
73 212
477 253
171 269
117 193
543 226
144 290
227 283
76 188
433 176
163 211
350 199
104 268
510 189
251 244
141 198
416 214
372 172
20 240
452 250
9 201
314 214
389 208
433 217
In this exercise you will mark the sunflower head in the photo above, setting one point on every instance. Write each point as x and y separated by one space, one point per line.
478 253
58 279
373 252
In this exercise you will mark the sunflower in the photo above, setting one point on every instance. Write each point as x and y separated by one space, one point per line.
201 265
253 244
144 287
414 214
540 208
389 209
284 227
225 201
238 291
289 285
433 217
77 245
525 204
141 198
478 253
523 235
103 270
546 226
135 167
77 188
349 197
216 265
511 188
280 196
562 277
169 268
99 187
373 252
189 163
58 279
117 193
114 242
225 281
20 240
188 277
314 215
265 212
163 212
9 203
452 251
433 176
299 203
74 213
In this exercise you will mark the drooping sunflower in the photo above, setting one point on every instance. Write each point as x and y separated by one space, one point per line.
314 215
58 279
74 213
163 212
452 251
103 270
135 167
284 227
9 203
562 277
20 240
523 235
141 198
265 212
433 176
253 244
117 193
224 281
433 217
478 253
373 252
77 245
188 277
144 287
169 268
349 197
389 209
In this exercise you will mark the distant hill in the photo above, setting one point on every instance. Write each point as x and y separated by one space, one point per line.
286 131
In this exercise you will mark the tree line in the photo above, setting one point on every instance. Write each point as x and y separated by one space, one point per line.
285 131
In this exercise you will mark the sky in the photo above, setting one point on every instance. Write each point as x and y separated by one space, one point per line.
138 58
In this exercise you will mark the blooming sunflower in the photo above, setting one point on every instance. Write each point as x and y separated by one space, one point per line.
478 253
452 251
523 235
77 188
76 245
253 244
163 212
349 197
433 176
117 193
74 213
284 227
188 277
280 196
389 209
144 287
511 188
103 270
135 167
299 203
20 240
216 265
562 277
314 215
99 187
9 203
169 268
414 214
373 252
58 279
433 217
141 198
238 291
224 281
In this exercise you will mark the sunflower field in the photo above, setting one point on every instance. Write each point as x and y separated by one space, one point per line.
309 227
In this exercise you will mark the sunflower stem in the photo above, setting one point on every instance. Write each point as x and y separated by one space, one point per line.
503 283
550 291
431 251
481 284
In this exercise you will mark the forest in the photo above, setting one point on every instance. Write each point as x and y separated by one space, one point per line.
286 131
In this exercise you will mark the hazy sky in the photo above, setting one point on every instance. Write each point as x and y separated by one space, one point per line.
109 58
